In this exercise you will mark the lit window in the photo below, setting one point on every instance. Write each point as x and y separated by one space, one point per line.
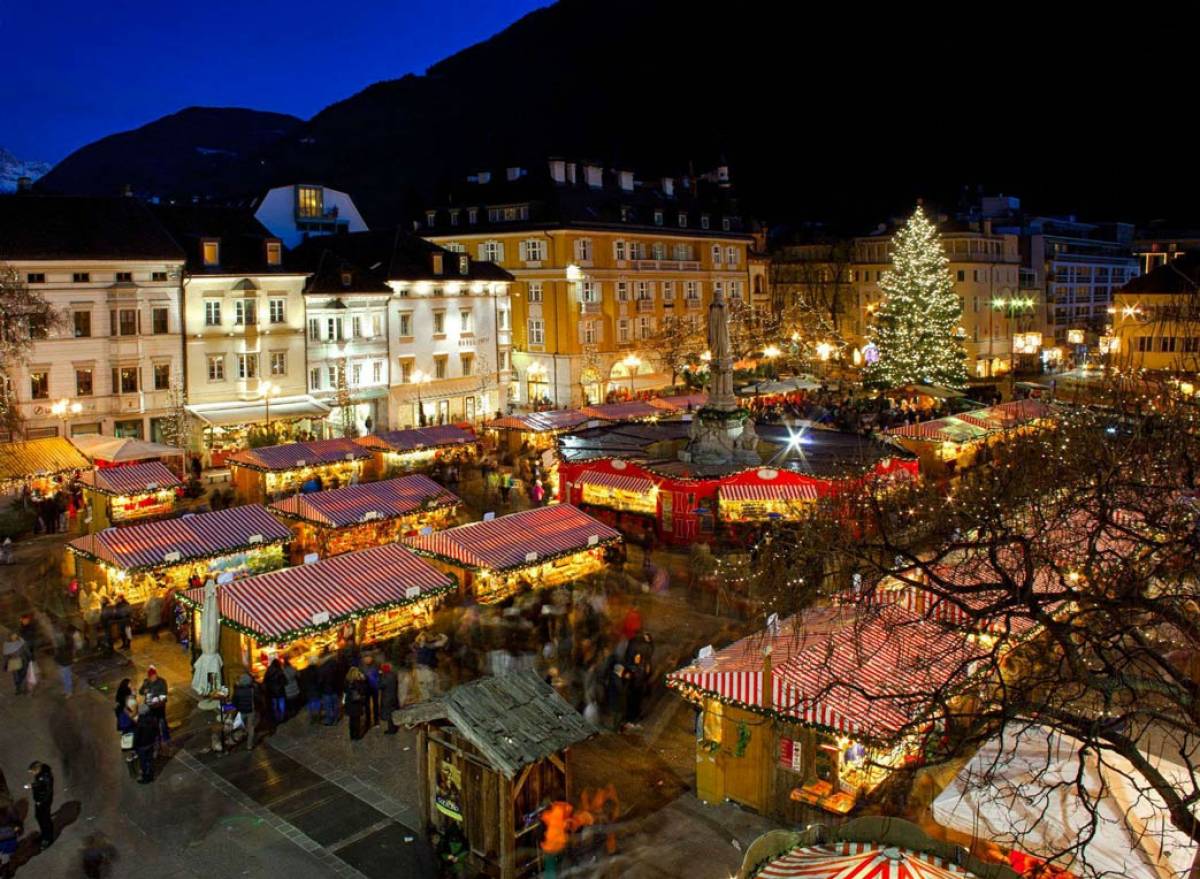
535 291
162 376
310 201
245 312
39 385
83 383
278 363
216 367
537 332
247 366
278 311
274 253
211 252
439 323
212 313
405 325
466 321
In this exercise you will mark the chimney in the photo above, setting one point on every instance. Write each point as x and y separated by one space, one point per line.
24 184
668 187
723 176
571 173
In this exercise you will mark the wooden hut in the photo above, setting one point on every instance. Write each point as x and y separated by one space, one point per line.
131 493
545 546
137 559
405 451
535 430
370 514
40 464
955 442
491 755
362 597
271 472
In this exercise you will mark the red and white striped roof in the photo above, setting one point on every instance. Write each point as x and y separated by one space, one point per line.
630 410
352 504
860 860
679 403
518 539
280 602
541 422
417 438
291 456
133 547
768 492
616 480
130 479
862 670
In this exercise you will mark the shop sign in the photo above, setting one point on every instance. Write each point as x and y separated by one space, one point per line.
448 799
791 755
320 619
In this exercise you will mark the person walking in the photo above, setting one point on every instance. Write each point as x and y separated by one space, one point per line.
154 692
41 789
310 686
16 661
371 677
327 677
291 687
389 696
145 735
244 702
355 698
123 617
64 658
154 614
275 683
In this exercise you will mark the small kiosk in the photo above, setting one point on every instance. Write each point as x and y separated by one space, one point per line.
270 472
359 516
131 493
362 597
957 441
491 755
535 430
495 559
42 464
136 559
405 451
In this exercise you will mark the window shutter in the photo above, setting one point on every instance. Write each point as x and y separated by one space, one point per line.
499 252
479 252
524 249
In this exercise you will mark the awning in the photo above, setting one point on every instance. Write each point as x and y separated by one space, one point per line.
540 422
417 438
141 478
292 456
120 449
639 484
804 492
255 411
278 605
860 860
630 410
352 504
39 457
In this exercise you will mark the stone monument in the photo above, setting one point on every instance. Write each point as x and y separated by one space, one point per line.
722 432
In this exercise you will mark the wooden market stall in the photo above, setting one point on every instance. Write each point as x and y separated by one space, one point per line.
630 410
363 597
545 546
130 493
946 445
136 560
44 465
116 451
405 451
534 430
491 755
358 516
819 709
271 472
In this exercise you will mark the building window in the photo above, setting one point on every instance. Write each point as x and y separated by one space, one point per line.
533 250
643 290
589 332
454 217
162 376
623 330
159 321
333 329
439 323
535 291
211 252
83 324
468 363
35 278
682 219
314 330
247 366
645 327
212 313
278 311
691 290
39 385
583 249
356 327
245 313
124 277
81 277
537 332
335 376
658 218
668 290
406 370
726 223
962 275
472 215
158 277
377 372
83 382
125 379
310 201
278 363
466 322
123 322
619 250
314 379
589 291
658 250
716 254
464 265
502 318
731 256
356 374
491 251
622 291
216 367
405 325
439 366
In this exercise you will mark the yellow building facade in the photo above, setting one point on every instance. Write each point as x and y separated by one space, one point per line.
1155 320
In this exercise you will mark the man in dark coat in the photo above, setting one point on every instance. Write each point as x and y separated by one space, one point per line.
389 695
276 683
42 790
245 702
310 688
327 676
145 736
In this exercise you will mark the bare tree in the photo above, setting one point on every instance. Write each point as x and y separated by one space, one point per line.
343 399
178 427
676 345
1069 563
25 317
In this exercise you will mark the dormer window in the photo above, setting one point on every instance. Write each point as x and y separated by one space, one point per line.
437 263
464 264
704 221
274 253
430 218
658 218
472 215
210 249
454 217
310 201
347 279
682 219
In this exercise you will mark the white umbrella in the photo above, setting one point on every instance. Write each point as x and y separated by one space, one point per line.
206 673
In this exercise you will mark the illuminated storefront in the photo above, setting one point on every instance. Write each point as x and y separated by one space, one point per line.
120 495
264 474
406 451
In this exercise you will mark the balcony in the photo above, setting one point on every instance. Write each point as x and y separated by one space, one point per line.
666 265
693 304
645 305
590 307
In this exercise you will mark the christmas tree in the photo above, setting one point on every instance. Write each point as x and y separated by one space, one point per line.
915 332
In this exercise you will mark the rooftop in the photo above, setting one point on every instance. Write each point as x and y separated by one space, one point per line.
1180 276
354 504
46 227
140 478
291 456
242 240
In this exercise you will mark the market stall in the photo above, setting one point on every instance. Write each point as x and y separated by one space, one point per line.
678 404
534 430
946 445
765 493
405 451
42 465
362 597
137 560
270 472
545 546
630 410
491 756
228 425
359 516
116 451
628 493
130 493
811 713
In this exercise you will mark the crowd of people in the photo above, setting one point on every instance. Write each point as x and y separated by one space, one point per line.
57 505
852 412
142 723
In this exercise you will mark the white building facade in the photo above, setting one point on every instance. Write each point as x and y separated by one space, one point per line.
347 349
302 210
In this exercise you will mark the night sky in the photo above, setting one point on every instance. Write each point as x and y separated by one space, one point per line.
76 71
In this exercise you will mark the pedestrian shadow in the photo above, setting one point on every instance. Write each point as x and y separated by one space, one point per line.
29 848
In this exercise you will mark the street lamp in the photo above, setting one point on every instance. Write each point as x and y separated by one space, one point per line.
632 362
420 378
64 410
269 389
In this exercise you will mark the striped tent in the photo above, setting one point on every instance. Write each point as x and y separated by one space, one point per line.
857 669
154 544
275 605
291 456
418 438
806 491
631 410
540 422
639 484
950 429
352 504
860 860
517 540
39 457
131 479
679 403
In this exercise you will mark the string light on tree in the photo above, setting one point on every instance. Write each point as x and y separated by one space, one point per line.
915 328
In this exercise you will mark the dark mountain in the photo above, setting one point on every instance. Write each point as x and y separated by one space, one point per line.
833 111
199 150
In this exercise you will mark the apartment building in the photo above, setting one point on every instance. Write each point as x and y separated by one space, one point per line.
243 324
307 210
1156 246
1156 319
600 259
114 274
405 328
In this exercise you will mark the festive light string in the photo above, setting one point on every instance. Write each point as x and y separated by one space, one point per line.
247 549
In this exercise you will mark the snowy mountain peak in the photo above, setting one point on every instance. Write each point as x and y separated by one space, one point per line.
12 169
